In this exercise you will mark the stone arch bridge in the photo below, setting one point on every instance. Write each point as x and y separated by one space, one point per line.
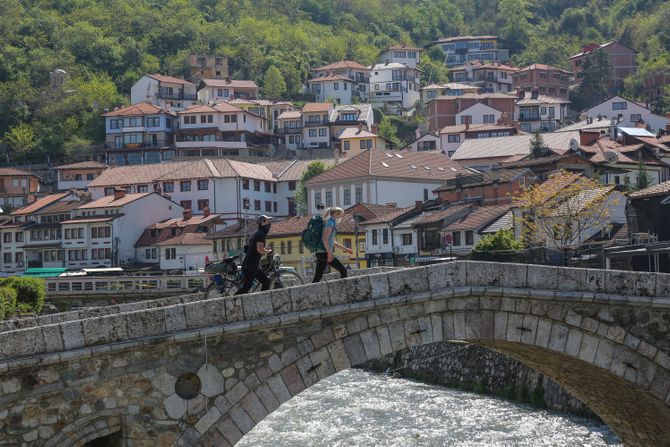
187 371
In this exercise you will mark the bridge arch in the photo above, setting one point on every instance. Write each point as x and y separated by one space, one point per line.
605 336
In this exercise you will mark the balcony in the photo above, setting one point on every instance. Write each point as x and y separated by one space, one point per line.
314 123
529 117
288 130
167 94
138 146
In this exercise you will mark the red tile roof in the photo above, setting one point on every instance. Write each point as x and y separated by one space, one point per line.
628 154
412 166
187 239
342 64
89 220
332 77
437 216
312 107
479 218
544 67
403 47
168 79
355 132
235 83
290 226
83 165
388 217
473 128
40 203
109 202
4 172
661 189
457 38
141 108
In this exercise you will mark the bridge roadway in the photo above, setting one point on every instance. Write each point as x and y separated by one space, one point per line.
187 371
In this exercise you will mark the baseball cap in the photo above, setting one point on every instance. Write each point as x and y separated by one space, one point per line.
262 218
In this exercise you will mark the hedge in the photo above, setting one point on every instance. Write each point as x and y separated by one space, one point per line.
30 292
7 302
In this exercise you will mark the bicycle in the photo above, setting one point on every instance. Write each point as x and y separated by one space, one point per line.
227 277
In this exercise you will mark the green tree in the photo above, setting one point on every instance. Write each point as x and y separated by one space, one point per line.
537 147
20 141
313 169
595 78
388 130
642 180
515 14
500 240
274 85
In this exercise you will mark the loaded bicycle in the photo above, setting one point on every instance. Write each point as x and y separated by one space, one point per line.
227 277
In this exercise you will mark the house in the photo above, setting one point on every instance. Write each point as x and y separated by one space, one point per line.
103 232
487 153
141 133
442 111
451 137
487 188
228 187
489 77
432 91
426 142
539 113
78 175
627 113
382 177
316 125
649 211
462 49
352 115
222 130
32 236
391 239
465 232
18 187
404 54
178 243
166 92
205 66
429 225
546 79
268 110
351 70
289 128
655 89
211 91
332 88
354 140
622 61
480 113
230 241
395 87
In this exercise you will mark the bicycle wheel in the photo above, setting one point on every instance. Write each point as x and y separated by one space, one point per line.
228 288
288 278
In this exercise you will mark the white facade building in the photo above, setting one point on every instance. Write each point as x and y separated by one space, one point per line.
332 88
478 114
631 113
410 56
395 86
164 91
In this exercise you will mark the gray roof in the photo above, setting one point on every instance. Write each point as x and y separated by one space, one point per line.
498 147
504 222
603 124
636 131
364 109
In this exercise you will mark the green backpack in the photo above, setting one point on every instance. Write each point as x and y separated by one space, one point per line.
311 236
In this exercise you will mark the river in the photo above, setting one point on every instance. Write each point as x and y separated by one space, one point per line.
360 408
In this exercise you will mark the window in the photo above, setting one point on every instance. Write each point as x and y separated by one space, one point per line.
202 204
619 105
312 132
347 196
257 185
543 110
289 247
203 185
150 253
282 248
268 187
336 86
552 112
346 145
329 198
635 117
100 232
385 236
407 239
374 237
466 119
153 121
268 206
185 186
366 144
168 187
7 258
359 194
322 132
7 238
489 119
425 194
245 183
456 138
257 205
90 176
186 204
346 242
291 185
170 253
456 238
18 236
301 247
142 188
469 238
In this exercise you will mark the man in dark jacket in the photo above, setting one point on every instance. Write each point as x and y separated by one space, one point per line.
255 251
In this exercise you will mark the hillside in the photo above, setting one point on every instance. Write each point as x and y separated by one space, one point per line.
106 45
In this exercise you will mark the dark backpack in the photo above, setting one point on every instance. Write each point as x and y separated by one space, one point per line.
311 236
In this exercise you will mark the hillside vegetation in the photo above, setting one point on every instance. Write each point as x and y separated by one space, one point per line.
106 45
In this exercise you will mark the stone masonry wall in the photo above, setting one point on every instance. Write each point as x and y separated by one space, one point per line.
473 368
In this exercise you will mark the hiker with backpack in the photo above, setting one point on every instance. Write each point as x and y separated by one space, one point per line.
252 258
324 245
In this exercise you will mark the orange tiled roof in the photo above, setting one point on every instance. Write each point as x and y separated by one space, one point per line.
141 108
332 77
437 216
40 203
235 83
661 189
109 202
479 218
168 79
342 64
4 172
312 107
83 165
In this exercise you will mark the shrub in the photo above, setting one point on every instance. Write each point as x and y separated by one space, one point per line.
7 302
30 292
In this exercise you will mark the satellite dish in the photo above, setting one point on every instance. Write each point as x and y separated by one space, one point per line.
611 157
574 145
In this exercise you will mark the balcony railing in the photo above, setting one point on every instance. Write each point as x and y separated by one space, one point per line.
166 94
314 123
146 144
288 130
528 117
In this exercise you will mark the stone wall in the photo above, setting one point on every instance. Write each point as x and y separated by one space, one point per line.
473 368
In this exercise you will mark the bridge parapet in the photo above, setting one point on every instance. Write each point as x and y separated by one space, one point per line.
92 330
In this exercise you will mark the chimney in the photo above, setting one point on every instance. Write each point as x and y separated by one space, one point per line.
360 127
588 138
205 211
418 205
228 79
119 193
534 93
467 123
520 94
375 129
188 213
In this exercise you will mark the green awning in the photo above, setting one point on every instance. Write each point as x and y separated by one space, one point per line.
43 272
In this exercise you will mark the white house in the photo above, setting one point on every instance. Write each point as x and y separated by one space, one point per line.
479 113
289 127
426 142
410 56
628 112
351 70
332 88
78 175
390 239
540 113
465 232
316 125
395 86
211 91
381 177
164 91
